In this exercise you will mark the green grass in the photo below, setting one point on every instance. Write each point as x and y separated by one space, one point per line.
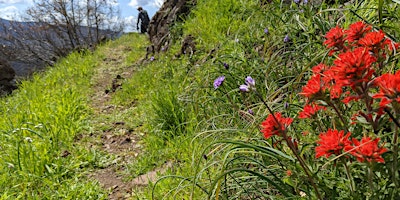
39 124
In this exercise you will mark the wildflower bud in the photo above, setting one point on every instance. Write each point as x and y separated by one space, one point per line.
266 30
39 126
28 139
251 112
226 65
11 166
286 105
286 39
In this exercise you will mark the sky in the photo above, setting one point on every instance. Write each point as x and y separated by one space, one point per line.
13 9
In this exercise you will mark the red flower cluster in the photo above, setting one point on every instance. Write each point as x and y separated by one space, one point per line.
359 49
335 39
335 142
354 76
366 150
275 124
357 31
359 34
389 88
310 110
353 68
332 142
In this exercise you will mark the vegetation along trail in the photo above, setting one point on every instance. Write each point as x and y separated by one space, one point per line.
72 137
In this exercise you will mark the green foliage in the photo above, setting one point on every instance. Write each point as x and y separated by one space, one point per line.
37 124
170 114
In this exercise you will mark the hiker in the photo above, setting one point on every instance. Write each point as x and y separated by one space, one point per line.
144 20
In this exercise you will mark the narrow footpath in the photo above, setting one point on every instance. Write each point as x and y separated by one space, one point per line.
112 132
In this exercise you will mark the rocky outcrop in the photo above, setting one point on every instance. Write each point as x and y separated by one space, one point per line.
170 12
7 77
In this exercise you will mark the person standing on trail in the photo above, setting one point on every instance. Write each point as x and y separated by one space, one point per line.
144 20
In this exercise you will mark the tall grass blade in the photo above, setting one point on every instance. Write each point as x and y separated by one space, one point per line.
261 176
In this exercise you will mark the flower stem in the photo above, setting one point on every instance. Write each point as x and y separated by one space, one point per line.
339 114
395 155
370 177
292 147
352 184
392 117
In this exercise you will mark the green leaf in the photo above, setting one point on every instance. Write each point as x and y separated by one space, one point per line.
267 150
261 176
380 5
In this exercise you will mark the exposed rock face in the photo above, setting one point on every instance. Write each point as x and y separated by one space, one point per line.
7 75
170 12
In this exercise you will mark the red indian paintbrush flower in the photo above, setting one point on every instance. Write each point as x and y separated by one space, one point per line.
310 110
320 68
313 87
332 142
374 39
389 88
376 42
353 67
275 125
357 31
335 39
366 150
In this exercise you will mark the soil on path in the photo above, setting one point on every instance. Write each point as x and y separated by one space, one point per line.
119 140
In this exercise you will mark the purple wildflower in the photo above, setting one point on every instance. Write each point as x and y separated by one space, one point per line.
250 85
286 105
286 39
251 112
296 1
305 1
152 58
266 30
250 81
244 88
226 65
218 82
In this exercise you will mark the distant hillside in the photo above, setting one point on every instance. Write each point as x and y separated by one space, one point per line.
30 46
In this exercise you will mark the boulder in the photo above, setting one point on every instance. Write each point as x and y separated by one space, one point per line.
7 77
170 12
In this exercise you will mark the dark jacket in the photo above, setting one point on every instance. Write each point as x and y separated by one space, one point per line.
143 18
